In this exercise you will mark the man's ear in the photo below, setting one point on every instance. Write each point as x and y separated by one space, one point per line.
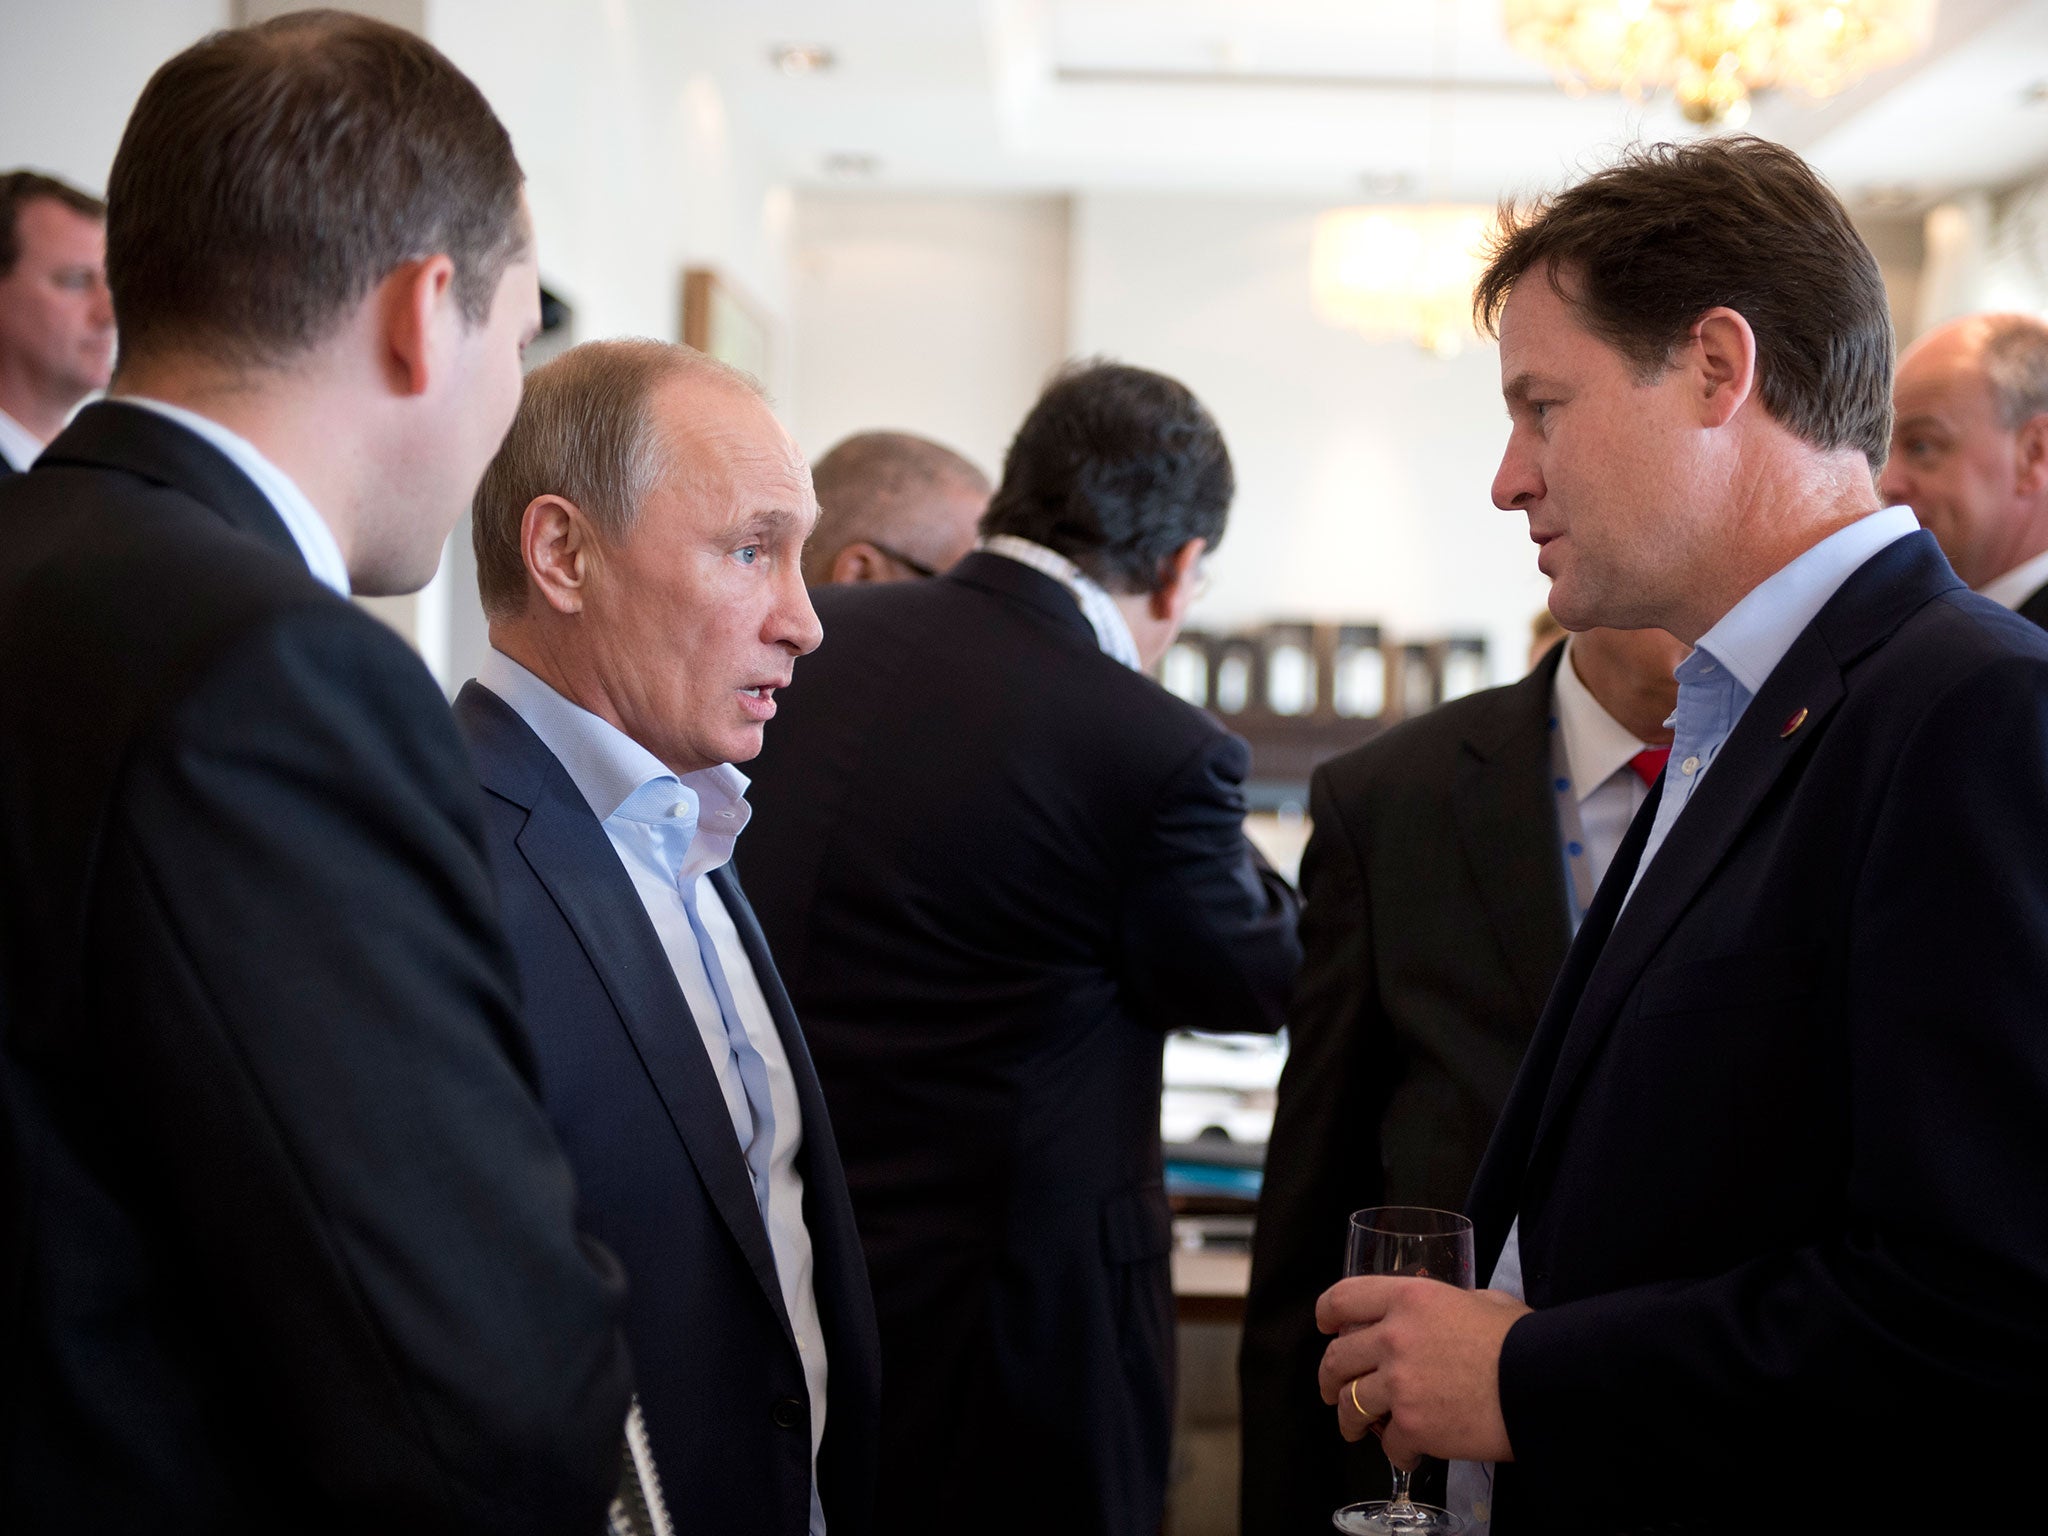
415 301
1722 352
858 561
2030 458
558 548
1180 575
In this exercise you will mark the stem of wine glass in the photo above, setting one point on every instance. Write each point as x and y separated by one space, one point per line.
1400 1500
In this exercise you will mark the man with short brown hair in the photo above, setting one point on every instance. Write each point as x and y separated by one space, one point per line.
1970 453
1761 1213
288 1243
892 507
56 323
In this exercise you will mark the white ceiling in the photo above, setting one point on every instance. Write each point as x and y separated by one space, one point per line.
1352 100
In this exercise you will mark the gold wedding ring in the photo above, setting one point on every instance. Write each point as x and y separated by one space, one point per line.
1371 1423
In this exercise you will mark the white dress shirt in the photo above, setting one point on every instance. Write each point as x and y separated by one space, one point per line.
1598 748
2019 583
1715 684
309 530
670 832
18 445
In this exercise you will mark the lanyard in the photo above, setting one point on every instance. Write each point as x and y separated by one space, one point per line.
1570 830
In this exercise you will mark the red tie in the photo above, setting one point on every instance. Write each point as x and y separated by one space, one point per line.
1649 763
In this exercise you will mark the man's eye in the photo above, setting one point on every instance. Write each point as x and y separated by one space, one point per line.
747 554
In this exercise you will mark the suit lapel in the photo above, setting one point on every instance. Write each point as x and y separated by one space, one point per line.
1806 687
1502 803
566 848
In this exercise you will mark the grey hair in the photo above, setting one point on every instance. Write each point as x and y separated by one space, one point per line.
2016 365
584 433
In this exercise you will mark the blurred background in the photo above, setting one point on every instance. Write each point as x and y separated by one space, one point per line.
906 213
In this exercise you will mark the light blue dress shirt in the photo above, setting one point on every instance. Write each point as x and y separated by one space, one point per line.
1715 684
309 530
670 832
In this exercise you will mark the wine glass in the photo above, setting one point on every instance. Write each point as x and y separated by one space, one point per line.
1434 1245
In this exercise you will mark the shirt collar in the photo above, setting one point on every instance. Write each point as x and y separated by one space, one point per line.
619 778
301 519
19 445
1596 745
2019 583
1752 637
1112 629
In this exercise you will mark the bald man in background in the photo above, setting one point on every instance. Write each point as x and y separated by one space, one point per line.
56 318
892 507
1970 452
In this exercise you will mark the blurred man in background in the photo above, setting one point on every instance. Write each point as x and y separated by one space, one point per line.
1970 452
999 864
637 542
56 320
892 507
287 1242
1451 862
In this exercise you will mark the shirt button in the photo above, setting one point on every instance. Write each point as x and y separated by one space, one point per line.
680 808
787 1413
1689 767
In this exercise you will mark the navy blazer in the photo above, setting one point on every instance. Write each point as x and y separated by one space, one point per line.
998 867
1777 1149
663 1180
286 1243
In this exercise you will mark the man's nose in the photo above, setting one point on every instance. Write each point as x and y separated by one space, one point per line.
1895 486
797 623
1516 483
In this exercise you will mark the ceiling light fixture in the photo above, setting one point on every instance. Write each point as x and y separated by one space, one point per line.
1397 273
1715 54
797 60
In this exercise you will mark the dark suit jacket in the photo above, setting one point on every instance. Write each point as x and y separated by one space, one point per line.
288 1244
997 867
663 1179
1777 1146
1434 920
2035 608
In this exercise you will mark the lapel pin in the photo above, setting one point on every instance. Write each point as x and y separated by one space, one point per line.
1793 724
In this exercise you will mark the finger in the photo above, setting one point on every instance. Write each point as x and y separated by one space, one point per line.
1401 1448
1360 1300
1352 1354
1361 1407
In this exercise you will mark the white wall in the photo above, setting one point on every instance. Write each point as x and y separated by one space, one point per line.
1363 468
936 315
633 165
71 69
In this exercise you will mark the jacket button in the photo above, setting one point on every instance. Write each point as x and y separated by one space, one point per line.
787 1413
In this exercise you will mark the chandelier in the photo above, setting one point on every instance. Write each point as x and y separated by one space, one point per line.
1714 54
1400 273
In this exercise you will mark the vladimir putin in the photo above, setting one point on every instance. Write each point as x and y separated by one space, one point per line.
637 549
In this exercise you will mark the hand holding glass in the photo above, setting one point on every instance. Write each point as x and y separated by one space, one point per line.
1434 1245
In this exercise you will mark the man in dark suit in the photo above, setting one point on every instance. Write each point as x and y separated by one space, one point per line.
1970 453
1452 858
1000 863
1765 1177
56 321
285 1241
638 543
